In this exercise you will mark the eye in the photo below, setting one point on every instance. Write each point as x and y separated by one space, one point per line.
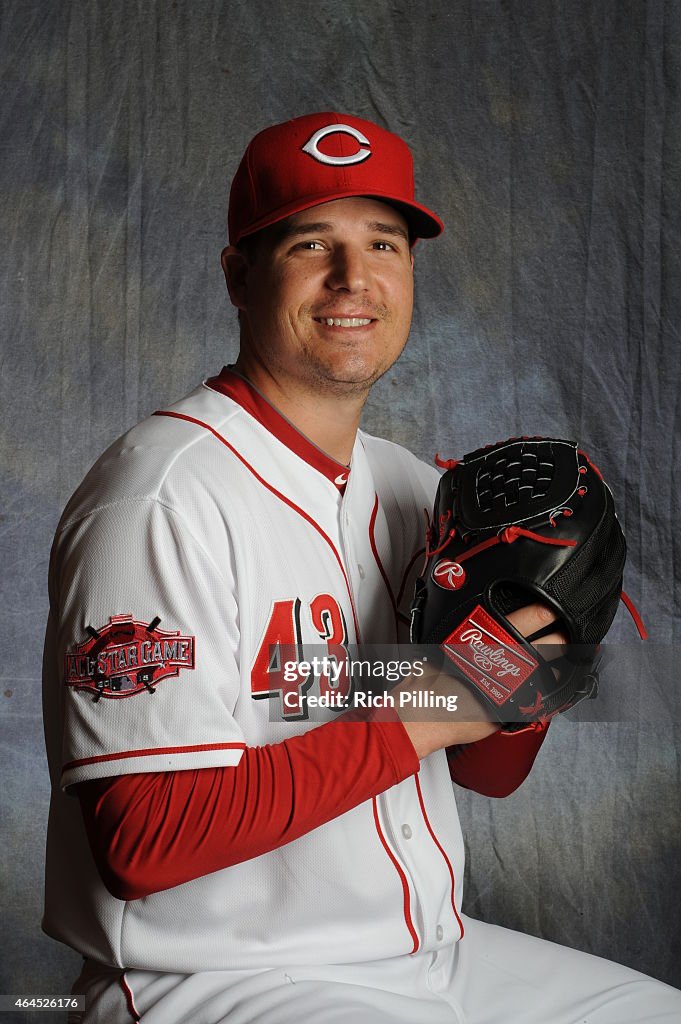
309 245
382 246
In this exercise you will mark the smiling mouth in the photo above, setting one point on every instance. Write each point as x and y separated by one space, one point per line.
344 321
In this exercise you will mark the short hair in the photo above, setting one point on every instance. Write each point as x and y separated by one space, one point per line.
251 245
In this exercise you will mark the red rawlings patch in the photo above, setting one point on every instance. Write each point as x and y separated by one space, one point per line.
489 656
125 657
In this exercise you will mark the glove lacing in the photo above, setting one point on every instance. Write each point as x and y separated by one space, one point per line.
508 536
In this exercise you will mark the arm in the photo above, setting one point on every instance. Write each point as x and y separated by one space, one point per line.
497 765
153 831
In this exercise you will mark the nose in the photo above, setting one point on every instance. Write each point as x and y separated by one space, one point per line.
348 270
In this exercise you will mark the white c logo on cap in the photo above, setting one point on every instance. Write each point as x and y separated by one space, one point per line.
312 146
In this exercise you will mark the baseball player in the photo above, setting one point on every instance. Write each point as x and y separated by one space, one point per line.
221 847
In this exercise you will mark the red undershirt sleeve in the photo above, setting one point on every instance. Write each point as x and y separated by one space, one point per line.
153 831
498 764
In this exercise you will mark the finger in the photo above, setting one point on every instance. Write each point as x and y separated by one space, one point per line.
534 617
531 617
552 638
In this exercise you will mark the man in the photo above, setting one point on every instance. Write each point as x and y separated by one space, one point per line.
233 854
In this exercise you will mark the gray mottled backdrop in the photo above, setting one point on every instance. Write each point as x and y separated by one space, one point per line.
548 136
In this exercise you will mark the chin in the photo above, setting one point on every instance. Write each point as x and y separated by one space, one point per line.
359 377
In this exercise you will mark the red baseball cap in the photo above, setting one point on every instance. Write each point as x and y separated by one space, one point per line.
317 158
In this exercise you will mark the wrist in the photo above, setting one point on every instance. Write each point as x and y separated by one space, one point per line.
451 713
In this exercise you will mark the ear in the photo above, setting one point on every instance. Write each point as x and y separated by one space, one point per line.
235 267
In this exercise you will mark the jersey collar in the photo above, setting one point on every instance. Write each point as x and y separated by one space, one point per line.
230 383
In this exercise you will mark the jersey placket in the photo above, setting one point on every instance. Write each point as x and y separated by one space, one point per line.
400 822
406 830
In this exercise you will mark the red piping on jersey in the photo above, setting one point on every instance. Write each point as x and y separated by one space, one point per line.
241 391
372 541
121 754
278 494
439 846
130 1002
403 879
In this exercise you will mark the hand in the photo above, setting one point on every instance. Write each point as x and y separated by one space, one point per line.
472 720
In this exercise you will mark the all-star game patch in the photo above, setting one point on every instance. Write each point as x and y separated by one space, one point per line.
126 657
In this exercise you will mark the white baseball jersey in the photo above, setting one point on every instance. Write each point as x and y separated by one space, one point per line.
204 536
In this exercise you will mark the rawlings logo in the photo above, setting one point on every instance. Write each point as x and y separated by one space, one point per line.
125 657
487 655
449 575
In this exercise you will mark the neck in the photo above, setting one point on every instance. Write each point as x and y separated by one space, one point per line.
328 418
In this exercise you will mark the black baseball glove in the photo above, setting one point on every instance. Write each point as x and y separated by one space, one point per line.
521 521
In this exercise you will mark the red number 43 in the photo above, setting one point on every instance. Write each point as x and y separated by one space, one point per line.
276 670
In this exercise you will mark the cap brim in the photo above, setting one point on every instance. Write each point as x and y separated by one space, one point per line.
423 223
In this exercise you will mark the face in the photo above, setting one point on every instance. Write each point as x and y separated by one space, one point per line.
326 301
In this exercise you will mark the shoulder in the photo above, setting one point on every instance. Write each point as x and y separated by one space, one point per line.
158 460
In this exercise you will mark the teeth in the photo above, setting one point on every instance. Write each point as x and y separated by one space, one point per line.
346 321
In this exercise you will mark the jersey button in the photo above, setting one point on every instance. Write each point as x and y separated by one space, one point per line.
440 933
360 570
406 832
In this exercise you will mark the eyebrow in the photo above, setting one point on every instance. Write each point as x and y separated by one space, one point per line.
319 227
